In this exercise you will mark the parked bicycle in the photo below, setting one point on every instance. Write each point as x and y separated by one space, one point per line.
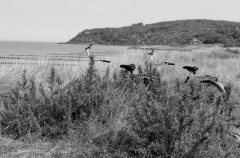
207 79
87 50
145 78
203 79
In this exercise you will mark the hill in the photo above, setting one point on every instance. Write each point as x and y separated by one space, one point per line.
178 32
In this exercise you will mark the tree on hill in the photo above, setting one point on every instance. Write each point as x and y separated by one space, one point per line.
169 33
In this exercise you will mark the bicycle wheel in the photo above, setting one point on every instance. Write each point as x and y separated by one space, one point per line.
207 88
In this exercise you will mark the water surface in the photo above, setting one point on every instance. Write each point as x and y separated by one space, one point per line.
35 48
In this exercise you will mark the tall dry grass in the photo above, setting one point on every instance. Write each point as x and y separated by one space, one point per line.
212 61
119 120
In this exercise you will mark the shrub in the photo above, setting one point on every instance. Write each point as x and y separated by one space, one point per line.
175 122
28 109
50 110
121 117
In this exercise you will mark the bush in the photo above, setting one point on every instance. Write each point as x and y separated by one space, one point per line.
176 122
122 118
50 110
29 108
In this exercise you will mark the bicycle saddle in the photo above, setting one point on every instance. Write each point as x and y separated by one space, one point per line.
129 67
192 69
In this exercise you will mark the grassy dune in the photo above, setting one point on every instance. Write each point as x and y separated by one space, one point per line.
213 61
81 111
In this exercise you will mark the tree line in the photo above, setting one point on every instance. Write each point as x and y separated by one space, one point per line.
180 32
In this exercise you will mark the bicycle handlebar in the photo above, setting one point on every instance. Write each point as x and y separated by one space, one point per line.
166 62
106 61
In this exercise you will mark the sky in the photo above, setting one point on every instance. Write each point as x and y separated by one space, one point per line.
61 20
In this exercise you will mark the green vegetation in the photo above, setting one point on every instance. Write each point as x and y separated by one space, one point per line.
179 32
103 117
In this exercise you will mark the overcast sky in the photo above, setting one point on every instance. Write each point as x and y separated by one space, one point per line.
61 20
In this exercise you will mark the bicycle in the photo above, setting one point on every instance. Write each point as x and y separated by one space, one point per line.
133 79
207 79
203 79
87 50
156 64
136 78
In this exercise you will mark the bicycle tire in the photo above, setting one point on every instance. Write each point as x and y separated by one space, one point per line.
217 84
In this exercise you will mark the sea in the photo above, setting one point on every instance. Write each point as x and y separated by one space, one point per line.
38 48
31 52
